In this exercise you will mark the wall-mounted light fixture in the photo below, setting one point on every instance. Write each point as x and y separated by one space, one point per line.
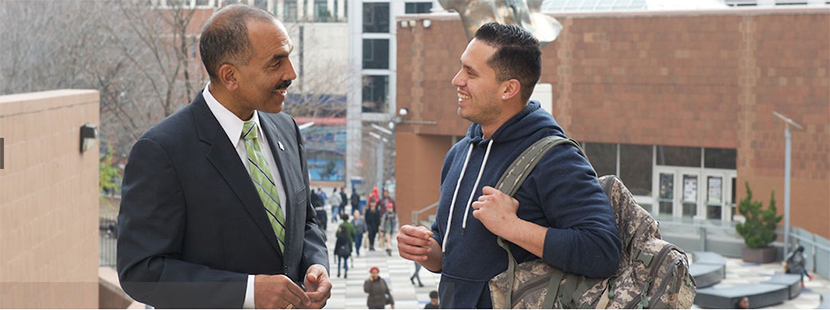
412 23
89 134
404 24
427 23
402 115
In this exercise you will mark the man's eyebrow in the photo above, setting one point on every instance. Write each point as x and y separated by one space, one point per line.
278 57
468 68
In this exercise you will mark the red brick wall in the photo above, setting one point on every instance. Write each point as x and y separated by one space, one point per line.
703 79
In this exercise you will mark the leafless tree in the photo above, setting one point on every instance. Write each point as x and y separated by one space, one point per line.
142 56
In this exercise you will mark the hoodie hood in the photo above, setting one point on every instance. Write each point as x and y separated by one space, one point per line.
522 125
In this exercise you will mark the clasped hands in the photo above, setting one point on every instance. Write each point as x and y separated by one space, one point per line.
279 292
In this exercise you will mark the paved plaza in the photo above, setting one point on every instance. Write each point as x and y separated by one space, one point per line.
348 293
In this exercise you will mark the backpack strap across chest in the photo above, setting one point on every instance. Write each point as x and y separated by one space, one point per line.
509 184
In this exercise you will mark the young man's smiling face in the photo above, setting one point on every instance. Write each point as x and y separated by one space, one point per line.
477 86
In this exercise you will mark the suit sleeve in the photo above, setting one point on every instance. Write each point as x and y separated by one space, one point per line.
152 222
314 249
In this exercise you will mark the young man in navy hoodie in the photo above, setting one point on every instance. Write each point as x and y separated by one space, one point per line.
559 214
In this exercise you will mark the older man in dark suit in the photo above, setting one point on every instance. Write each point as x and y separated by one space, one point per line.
216 210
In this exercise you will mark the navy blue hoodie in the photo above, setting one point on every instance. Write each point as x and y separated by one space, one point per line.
561 193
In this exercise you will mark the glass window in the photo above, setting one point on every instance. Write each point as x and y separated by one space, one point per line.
262 4
603 157
376 17
321 11
678 156
666 197
376 53
202 2
636 168
289 11
689 195
375 93
418 7
720 158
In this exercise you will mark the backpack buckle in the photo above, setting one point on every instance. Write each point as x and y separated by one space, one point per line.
643 256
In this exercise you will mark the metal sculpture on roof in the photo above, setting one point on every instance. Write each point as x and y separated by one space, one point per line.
523 13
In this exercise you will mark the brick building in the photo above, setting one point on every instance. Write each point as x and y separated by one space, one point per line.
679 104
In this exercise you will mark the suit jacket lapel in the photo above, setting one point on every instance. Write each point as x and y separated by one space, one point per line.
222 155
274 139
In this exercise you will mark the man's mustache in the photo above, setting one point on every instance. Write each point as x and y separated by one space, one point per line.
284 85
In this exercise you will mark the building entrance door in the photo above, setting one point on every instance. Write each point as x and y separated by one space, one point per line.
691 193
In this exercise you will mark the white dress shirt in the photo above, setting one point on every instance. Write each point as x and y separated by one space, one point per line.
233 128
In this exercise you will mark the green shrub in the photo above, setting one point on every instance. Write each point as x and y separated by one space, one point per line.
759 229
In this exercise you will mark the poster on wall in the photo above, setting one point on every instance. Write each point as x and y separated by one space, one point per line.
689 188
715 190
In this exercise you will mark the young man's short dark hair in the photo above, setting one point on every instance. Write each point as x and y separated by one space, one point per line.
518 55
433 294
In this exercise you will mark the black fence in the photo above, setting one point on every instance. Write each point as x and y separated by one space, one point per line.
108 234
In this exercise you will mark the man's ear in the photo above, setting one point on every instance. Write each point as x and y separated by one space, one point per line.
511 88
227 77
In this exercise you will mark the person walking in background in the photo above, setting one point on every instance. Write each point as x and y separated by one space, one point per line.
433 300
379 294
416 275
795 263
372 222
388 225
342 250
385 200
335 204
214 211
322 195
355 200
359 228
344 199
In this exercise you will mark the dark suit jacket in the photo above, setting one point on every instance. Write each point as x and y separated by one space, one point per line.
192 224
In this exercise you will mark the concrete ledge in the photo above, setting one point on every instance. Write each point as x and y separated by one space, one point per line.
708 268
791 281
760 295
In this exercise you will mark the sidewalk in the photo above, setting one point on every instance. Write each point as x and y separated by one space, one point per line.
348 293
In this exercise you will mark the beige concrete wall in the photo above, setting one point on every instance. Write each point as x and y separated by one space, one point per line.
48 201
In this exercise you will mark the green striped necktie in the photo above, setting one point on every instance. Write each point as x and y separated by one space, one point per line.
263 181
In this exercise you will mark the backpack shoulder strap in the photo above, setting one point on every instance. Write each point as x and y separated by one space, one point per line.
518 171
509 183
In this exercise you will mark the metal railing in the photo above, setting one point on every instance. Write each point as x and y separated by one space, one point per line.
417 213
107 234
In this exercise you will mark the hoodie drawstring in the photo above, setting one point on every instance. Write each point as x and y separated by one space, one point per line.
454 196
458 185
480 172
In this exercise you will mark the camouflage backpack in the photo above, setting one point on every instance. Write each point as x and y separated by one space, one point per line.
652 273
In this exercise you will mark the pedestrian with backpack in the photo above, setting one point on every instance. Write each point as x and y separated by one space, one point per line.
560 215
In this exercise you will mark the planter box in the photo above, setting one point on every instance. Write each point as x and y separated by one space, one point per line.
760 256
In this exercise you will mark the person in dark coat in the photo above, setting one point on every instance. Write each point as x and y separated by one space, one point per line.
343 250
344 199
372 222
379 294
355 200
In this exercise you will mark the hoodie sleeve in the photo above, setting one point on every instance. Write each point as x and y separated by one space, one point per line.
583 237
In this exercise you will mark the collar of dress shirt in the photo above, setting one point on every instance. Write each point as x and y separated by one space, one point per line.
229 121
